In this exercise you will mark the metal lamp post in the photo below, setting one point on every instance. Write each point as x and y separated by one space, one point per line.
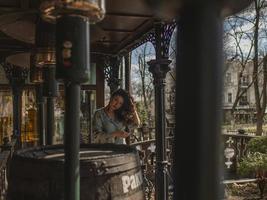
72 20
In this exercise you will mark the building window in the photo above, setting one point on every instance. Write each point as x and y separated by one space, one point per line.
228 77
229 97
243 99
244 80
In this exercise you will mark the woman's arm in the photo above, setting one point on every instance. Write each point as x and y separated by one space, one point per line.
135 117
99 135
122 134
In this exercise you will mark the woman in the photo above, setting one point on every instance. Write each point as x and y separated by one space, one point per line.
112 122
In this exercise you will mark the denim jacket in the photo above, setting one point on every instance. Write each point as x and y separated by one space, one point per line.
104 126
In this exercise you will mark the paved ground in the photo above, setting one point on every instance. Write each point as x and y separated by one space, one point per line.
247 191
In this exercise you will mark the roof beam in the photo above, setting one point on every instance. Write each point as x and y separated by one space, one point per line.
117 30
128 15
107 42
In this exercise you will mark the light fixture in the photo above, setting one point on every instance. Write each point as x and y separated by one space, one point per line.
92 9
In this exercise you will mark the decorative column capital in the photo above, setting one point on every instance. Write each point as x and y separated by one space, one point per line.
159 68
111 70
16 75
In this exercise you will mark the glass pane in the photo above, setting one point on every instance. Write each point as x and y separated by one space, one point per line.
6 115
88 106
59 118
92 75
29 136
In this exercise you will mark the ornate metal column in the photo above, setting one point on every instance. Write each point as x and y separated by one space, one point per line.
127 64
159 69
198 111
111 70
16 76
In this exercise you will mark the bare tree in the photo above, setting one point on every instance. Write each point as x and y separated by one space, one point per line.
260 96
143 87
239 56
171 76
249 27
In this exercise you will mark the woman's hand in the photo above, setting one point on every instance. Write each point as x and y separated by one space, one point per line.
122 134
132 105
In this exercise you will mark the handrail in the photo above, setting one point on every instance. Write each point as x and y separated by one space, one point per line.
235 148
149 141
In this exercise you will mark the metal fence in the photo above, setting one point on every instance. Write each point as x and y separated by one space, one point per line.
233 149
144 142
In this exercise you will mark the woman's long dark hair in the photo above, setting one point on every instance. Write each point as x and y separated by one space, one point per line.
125 110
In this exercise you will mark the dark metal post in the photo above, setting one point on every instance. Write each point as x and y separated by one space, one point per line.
40 114
198 75
90 111
72 141
127 60
127 65
50 90
159 69
72 50
17 94
16 76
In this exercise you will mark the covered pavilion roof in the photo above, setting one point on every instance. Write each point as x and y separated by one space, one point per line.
124 24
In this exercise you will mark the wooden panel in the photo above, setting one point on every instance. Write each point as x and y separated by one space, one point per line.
121 22
133 7
9 3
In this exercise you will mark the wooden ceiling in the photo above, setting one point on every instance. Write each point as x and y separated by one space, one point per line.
125 22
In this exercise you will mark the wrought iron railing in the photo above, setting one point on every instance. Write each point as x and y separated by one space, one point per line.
234 149
144 141
6 153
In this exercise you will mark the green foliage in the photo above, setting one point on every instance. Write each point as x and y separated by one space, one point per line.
256 160
142 112
258 144
253 163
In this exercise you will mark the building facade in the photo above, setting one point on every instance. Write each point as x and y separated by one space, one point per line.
244 111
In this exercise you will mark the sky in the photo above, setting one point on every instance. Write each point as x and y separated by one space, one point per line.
247 27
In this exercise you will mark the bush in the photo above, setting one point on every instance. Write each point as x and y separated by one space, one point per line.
258 144
253 164
256 160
